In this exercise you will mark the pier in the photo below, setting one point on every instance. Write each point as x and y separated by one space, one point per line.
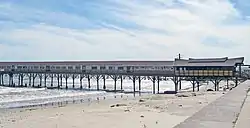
178 70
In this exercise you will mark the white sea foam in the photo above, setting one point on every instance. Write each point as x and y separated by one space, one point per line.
16 97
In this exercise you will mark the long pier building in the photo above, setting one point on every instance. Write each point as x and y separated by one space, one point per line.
193 70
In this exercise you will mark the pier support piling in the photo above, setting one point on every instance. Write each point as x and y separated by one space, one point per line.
175 80
104 82
154 85
40 79
34 78
139 79
97 82
45 80
22 75
134 79
89 81
121 82
81 77
66 81
61 77
19 80
52 77
216 83
115 80
198 85
227 83
193 83
158 84
58 81
73 77
29 80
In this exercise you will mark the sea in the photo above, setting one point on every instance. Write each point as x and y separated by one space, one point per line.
27 96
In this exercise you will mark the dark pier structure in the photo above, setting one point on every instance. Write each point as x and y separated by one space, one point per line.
193 70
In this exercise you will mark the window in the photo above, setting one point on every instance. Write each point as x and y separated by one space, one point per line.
94 67
63 67
102 67
78 67
110 67
57 67
70 67
120 68
19 67
35 67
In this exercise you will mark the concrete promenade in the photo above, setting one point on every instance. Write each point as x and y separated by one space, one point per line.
244 117
222 113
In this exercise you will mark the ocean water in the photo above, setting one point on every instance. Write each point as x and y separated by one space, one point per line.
27 96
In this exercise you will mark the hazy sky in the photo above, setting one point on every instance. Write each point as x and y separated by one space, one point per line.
123 29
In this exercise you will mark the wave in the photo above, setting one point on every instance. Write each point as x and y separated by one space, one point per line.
6 90
17 97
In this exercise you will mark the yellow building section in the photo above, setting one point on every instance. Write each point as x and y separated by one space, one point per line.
205 73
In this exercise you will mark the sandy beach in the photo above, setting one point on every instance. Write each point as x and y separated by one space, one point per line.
151 111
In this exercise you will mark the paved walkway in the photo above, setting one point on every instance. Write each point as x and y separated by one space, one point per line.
221 113
244 117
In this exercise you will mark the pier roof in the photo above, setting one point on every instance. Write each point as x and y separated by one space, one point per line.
167 63
225 61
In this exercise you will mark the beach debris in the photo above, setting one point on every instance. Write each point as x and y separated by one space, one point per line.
13 120
156 107
141 100
126 110
156 122
210 90
200 102
144 126
180 105
142 116
118 105
193 94
182 95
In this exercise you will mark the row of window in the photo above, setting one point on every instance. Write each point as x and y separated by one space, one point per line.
78 67
204 68
84 67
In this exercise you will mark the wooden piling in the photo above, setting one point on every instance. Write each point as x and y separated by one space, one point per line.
154 85
104 83
158 84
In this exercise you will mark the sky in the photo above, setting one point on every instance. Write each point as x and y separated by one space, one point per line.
123 29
